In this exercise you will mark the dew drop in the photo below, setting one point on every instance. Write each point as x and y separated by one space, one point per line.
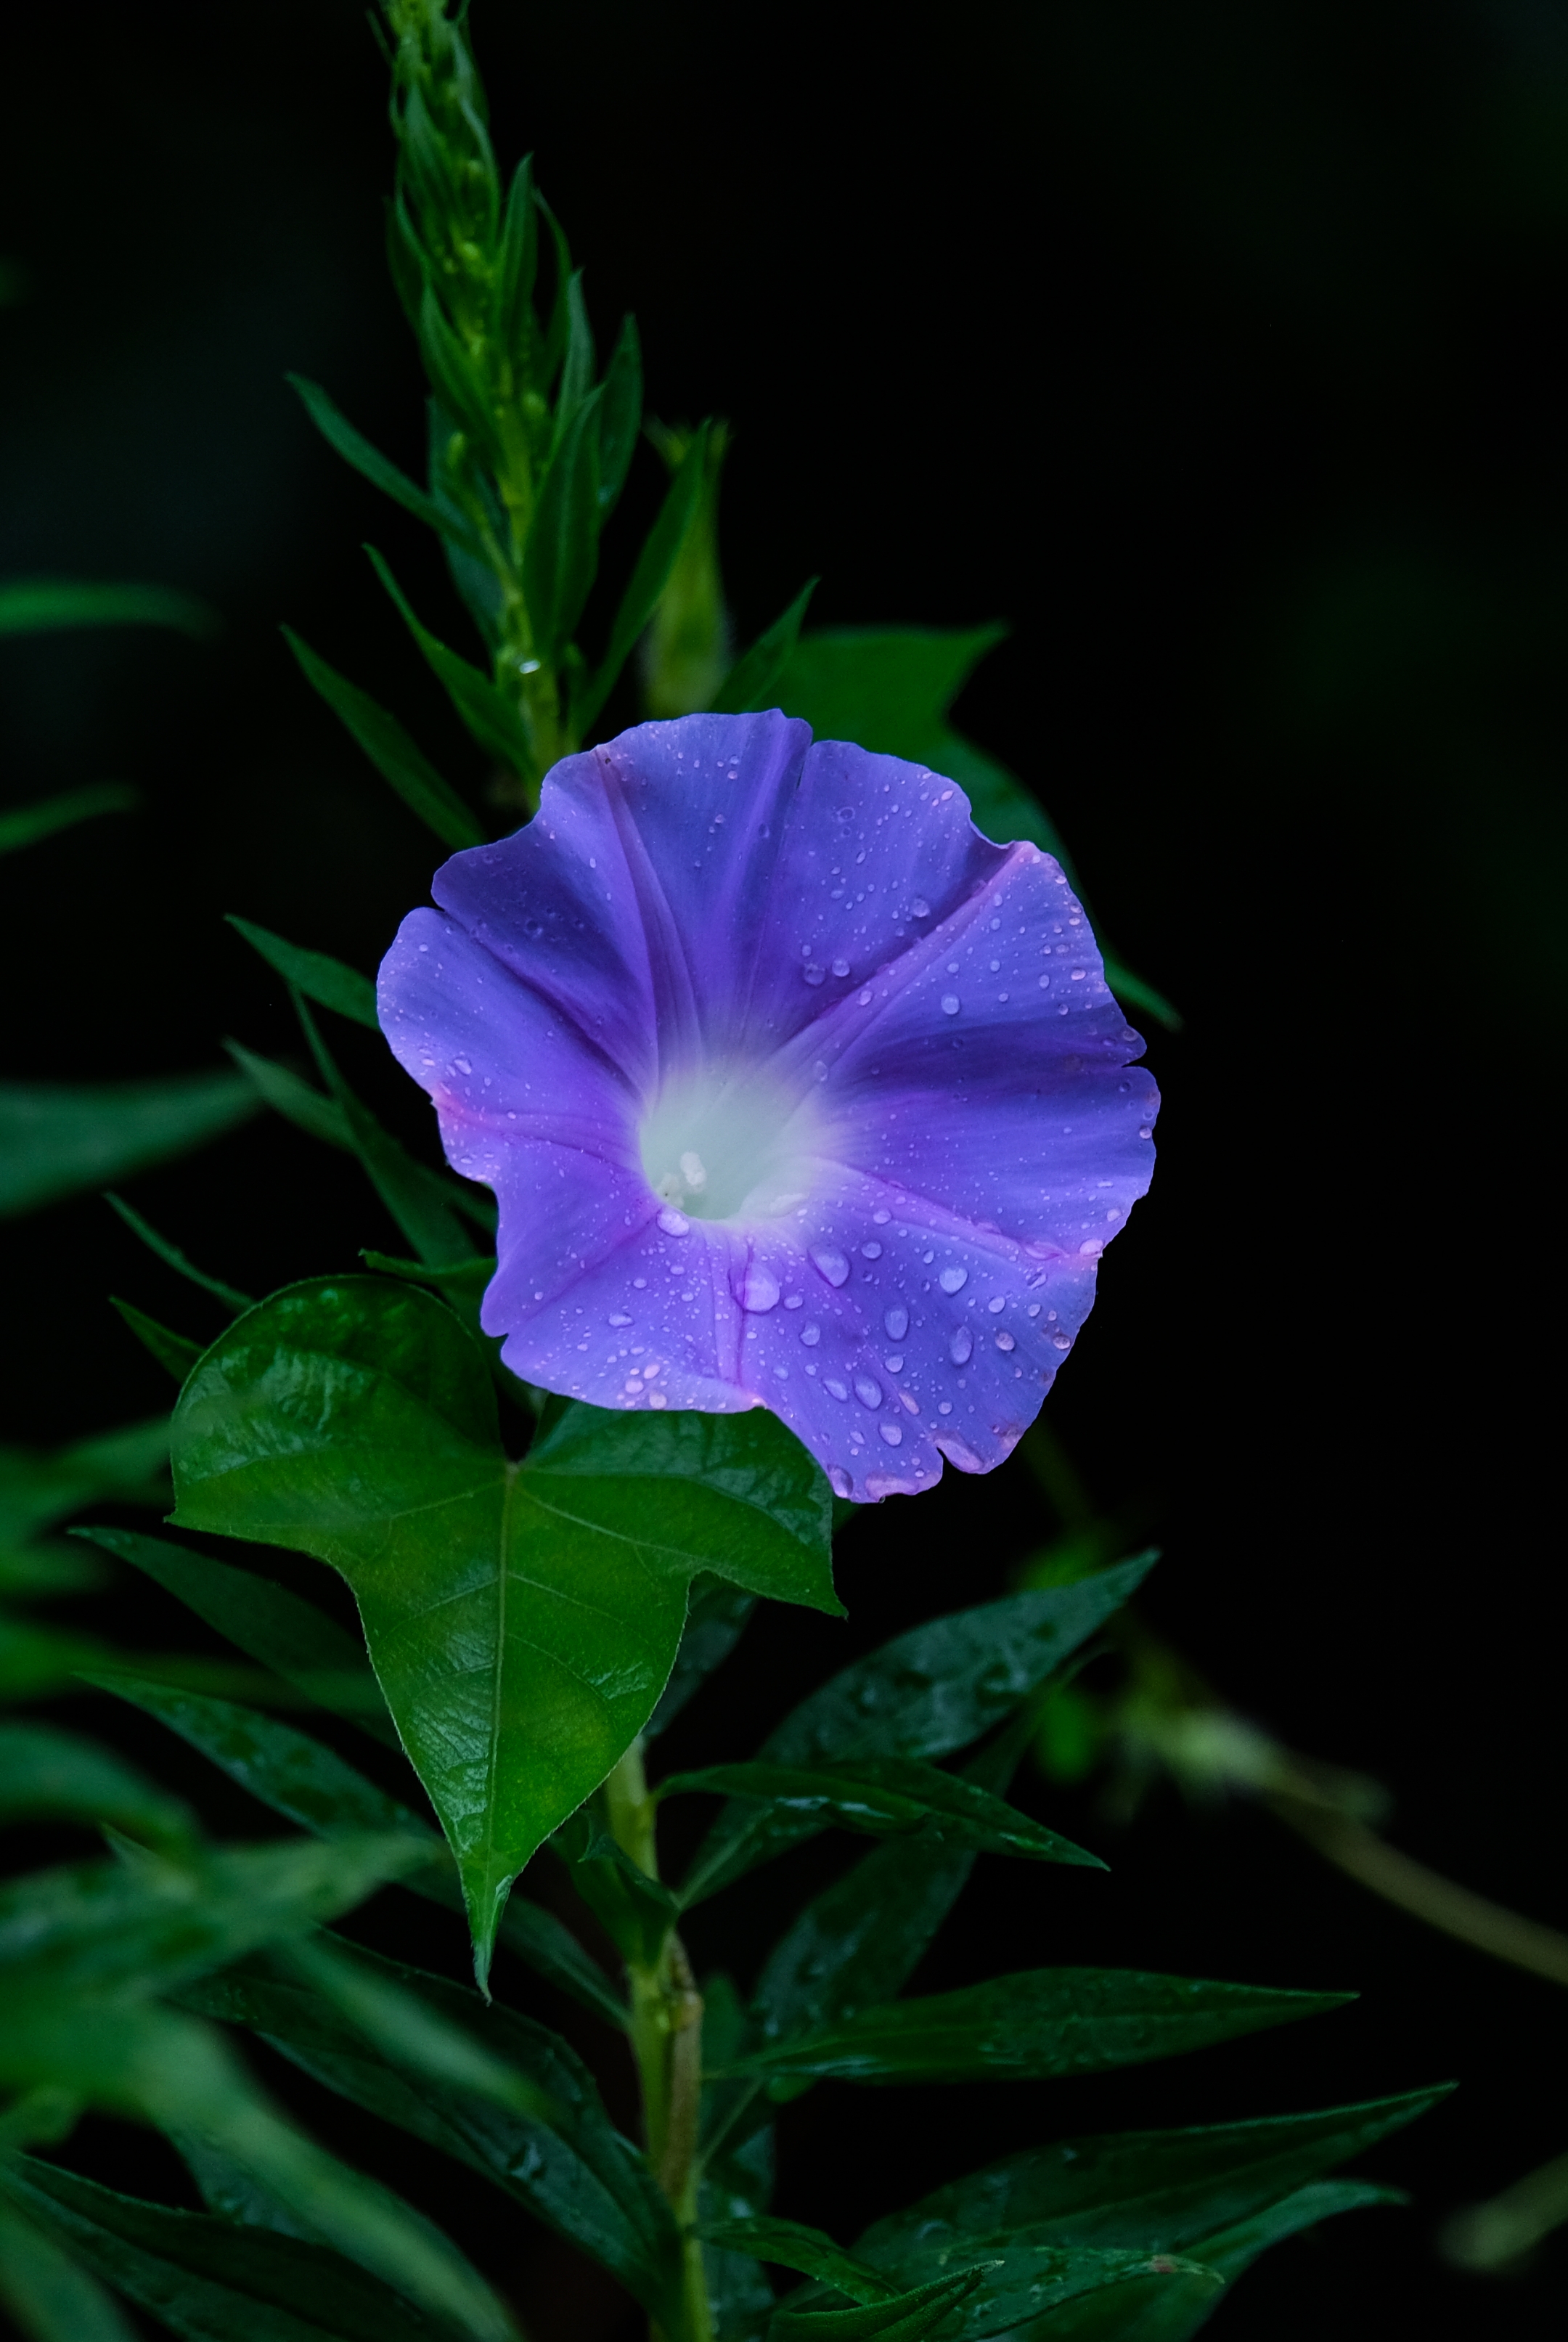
759 1289
894 1364
961 1348
950 1004
872 1251
865 997
810 1335
997 1304
954 1280
891 1433
919 908
868 1393
813 974
658 1399
462 1065
533 929
897 1323
841 1481
840 968
673 1223
839 1390
1061 1342
829 1264
619 1317
1005 1342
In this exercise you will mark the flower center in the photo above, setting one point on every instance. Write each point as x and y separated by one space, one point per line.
717 1145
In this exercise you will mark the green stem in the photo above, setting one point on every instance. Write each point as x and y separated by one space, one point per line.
667 2042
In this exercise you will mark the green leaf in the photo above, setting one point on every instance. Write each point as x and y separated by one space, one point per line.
1164 2190
1030 2026
519 262
1236 2248
39 1486
489 715
885 1796
717 1614
173 1257
576 2173
391 751
278 1629
25 824
35 1570
562 553
661 550
904 2317
756 676
421 1202
318 977
295 1100
295 1775
340 434
789 2244
39 605
580 362
522 1618
51 2298
860 1940
619 415
49 1775
98 1927
36 1661
56 1139
215 2281
175 1353
925 1694
1165 2304
455 486
635 1911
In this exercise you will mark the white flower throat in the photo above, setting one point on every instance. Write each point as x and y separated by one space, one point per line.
727 1143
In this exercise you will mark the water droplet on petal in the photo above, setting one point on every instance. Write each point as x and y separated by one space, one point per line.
919 908
813 974
897 1322
950 1004
954 1280
997 1304
619 1317
840 968
961 1348
865 997
891 1433
841 1481
1005 1342
658 1399
673 1223
462 1065
840 1390
872 1251
829 1264
810 1335
868 1393
759 1289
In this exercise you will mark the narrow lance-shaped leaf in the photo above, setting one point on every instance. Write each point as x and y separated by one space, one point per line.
39 605
924 1694
562 553
660 551
354 448
410 1193
883 1796
489 715
522 1618
51 2298
41 1485
25 824
56 1139
1044 2022
320 977
575 2172
173 1257
620 415
391 751
902 2318
791 2244
753 680
47 1774
175 1353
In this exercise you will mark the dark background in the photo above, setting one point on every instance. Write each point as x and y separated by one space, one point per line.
1219 349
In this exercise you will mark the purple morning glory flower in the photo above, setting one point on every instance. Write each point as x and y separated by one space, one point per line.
794 1090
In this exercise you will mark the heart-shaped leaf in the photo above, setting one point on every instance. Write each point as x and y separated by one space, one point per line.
522 1618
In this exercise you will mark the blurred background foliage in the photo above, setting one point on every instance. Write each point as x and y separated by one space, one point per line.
1221 351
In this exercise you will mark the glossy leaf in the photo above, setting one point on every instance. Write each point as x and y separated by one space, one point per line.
716 1614
50 2297
1235 2249
862 1938
620 415
635 1911
1041 2023
755 679
320 977
660 551
173 1257
789 2244
280 1089
369 462
562 553
57 1140
522 1619
576 2173
925 1694
1162 2189
25 824
40 605
214 2281
904 2317
394 755
275 1627
489 714
49 1775
885 1796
